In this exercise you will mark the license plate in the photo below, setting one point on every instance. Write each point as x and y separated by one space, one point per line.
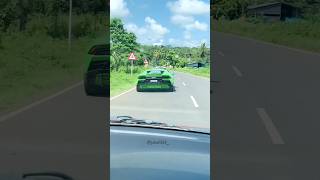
153 81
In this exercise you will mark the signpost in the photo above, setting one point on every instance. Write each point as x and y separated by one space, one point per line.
132 58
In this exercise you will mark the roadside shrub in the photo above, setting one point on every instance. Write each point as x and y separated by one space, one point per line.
38 24
58 27
255 20
82 26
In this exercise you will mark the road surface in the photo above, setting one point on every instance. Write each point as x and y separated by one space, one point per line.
65 133
266 110
189 105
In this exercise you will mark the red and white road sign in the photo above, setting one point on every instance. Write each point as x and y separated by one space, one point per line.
132 56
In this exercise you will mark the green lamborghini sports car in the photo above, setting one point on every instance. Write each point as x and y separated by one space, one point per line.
157 79
96 81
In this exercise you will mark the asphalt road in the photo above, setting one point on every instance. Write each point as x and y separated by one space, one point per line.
189 105
265 110
65 133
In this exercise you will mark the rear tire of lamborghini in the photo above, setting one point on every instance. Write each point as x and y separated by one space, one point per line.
89 90
171 89
138 89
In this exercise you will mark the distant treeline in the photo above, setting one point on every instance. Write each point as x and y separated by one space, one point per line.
51 16
233 9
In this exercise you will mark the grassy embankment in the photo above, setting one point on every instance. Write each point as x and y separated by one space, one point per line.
36 62
121 81
32 67
301 34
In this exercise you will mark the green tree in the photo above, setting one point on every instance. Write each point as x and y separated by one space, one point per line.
7 14
203 51
122 43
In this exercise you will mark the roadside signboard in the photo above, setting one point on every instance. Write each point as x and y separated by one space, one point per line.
132 58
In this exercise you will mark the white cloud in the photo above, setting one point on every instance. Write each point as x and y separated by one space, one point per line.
151 33
181 19
187 35
197 25
189 7
172 41
155 27
194 43
187 42
159 43
183 15
118 8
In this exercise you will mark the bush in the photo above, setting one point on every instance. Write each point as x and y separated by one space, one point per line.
58 27
85 25
38 24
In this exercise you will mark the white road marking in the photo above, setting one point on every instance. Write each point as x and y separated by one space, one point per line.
271 128
14 113
220 53
237 71
194 102
184 84
114 97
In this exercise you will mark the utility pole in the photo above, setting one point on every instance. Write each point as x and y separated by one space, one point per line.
70 23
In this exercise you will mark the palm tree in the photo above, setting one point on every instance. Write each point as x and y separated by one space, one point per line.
203 50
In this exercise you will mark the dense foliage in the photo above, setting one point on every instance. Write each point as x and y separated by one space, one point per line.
50 16
124 42
34 51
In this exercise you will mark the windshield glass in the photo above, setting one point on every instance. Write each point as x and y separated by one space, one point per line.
155 72
163 82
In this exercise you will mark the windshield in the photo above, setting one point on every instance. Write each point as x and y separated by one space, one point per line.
155 72
166 83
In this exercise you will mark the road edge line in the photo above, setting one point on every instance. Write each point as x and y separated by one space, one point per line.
114 97
27 107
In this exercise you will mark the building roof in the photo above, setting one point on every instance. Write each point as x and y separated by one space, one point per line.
267 4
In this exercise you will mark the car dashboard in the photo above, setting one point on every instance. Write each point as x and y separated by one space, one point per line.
155 153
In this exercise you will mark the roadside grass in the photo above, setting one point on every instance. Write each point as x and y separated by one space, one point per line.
121 81
35 66
301 34
204 71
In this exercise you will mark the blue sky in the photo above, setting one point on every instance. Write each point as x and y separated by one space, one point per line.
164 22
